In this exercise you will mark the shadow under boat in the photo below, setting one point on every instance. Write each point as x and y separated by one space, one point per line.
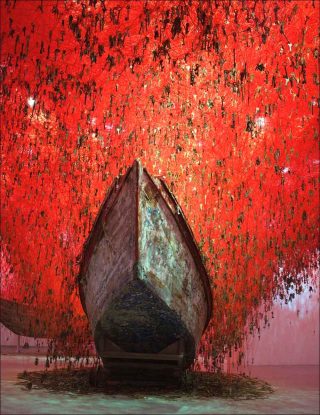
142 281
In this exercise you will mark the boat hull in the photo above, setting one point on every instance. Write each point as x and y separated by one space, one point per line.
142 282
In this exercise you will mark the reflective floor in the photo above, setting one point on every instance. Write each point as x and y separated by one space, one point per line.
296 392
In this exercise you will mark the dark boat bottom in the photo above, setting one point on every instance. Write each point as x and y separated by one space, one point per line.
138 332
140 374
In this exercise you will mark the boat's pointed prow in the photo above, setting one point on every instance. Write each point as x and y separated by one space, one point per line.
137 163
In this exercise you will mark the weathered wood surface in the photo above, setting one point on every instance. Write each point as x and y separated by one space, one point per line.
113 252
142 281
167 265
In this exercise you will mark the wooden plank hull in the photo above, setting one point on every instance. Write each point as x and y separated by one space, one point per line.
142 282
23 320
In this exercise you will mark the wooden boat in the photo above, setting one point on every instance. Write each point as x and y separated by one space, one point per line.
142 282
22 319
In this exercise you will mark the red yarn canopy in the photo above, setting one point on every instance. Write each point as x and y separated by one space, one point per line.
220 97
